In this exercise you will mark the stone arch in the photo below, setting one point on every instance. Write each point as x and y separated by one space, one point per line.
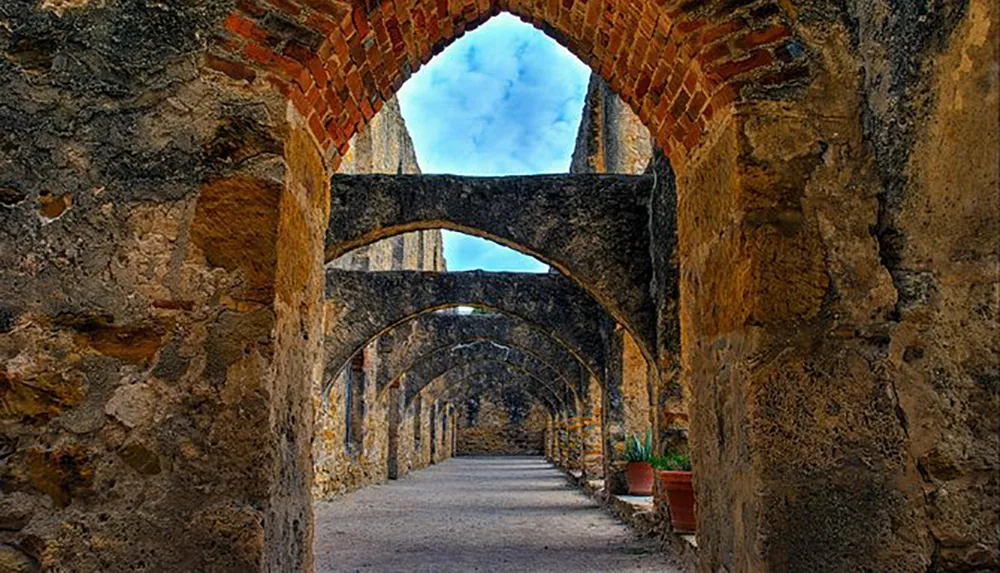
679 66
402 346
432 365
592 228
450 388
362 306
462 371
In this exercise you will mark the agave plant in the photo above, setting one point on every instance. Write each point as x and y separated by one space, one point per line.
672 462
639 450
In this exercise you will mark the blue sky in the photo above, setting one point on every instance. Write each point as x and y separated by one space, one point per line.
503 100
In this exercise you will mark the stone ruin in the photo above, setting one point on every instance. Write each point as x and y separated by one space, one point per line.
223 292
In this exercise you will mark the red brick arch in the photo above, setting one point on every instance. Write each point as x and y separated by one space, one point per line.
678 64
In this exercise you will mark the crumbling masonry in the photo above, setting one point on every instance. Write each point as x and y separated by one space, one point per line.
803 282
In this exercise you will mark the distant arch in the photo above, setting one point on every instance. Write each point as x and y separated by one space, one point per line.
592 228
433 365
402 346
486 367
364 305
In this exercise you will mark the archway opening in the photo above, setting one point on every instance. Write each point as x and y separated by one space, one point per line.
527 125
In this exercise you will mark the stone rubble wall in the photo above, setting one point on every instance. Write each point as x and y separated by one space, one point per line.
500 420
384 147
611 138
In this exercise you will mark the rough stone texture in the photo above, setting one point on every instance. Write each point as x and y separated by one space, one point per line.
145 211
380 301
434 364
592 228
795 386
165 201
611 138
636 387
499 418
468 514
931 95
401 347
384 147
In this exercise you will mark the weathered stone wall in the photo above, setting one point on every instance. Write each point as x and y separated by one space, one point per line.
337 469
826 358
611 138
931 96
500 419
384 147
163 212
635 388
151 387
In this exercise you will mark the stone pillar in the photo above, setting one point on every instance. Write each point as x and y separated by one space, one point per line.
550 438
593 456
671 394
562 440
574 431
613 425
434 413
446 435
397 411
801 454
160 332
454 435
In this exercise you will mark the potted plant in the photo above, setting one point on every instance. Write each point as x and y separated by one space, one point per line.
639 472
675 475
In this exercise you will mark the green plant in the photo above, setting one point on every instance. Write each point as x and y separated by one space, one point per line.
672 462
639 450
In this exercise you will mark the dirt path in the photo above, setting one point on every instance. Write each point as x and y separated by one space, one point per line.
477 514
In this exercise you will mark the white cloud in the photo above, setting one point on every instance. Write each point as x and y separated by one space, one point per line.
503 100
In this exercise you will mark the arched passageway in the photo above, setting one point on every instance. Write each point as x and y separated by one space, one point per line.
433 365
401 347
593 228
365 305
166 206
484 370
472 510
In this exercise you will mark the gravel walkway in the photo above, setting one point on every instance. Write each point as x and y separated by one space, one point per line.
478 514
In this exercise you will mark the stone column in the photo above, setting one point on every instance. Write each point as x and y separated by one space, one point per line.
454 433
160 327
435 407
549 438
574 432
446 436
613 425
562 440
593 457
397 406
801 451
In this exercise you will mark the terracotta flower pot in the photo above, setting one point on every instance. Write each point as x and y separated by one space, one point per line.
680 494
639 476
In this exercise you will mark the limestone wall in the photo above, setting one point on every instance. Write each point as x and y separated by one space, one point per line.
384 147
611 139
500 420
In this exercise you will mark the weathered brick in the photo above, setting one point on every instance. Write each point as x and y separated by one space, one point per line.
756 59
239 25
235 70
763 37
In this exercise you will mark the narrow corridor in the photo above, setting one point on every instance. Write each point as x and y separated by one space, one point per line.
478 514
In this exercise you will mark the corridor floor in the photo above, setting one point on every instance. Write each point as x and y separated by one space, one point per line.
477 514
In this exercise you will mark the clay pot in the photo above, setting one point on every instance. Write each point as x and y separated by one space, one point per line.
639 476
680 494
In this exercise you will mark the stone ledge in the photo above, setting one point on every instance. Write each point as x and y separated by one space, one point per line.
639 512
